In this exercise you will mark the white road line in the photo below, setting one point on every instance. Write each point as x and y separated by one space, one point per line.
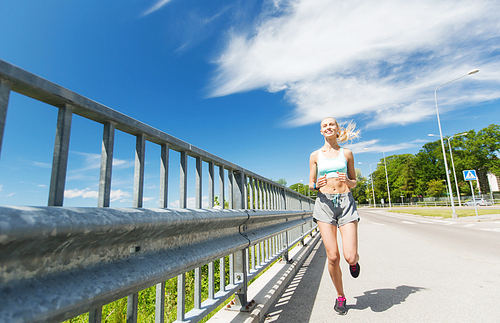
407 222
494 230
469 225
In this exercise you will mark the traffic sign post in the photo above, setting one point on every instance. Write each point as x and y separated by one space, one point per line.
470 175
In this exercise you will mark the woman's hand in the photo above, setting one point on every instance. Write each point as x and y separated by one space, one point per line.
321 182
343 178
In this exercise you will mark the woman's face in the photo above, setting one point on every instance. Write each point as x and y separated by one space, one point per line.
329 127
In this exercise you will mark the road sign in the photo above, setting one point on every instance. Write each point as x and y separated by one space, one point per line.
470 175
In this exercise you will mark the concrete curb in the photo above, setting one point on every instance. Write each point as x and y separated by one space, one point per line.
269 286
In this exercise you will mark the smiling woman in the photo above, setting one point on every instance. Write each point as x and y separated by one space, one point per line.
333 175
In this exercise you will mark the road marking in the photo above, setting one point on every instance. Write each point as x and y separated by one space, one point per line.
494 230
407 222
469 225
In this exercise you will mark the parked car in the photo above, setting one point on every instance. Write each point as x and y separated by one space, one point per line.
480 202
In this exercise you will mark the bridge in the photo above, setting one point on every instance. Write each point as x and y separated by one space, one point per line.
59 262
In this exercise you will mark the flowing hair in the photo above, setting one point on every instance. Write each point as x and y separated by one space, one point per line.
347 133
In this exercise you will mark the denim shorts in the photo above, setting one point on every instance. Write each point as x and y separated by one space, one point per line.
336 209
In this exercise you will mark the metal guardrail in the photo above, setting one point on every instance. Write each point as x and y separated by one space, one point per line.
58 262
65 261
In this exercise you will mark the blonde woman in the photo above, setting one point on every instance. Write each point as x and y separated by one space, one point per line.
333 175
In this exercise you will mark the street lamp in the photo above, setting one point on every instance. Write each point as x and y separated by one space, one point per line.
453 214
452 163
387 181
373 191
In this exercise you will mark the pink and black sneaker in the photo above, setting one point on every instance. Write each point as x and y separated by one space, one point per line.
354 270
340 306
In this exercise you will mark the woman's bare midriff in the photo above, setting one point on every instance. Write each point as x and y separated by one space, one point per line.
334 186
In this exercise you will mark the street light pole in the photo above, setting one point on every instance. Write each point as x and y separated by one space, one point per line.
453 214
387 180
373 191
452 163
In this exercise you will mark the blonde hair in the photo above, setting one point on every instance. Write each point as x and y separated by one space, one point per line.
345 133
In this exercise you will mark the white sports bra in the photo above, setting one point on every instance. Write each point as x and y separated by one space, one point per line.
330 166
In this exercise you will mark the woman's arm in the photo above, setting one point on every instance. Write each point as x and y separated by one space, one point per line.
350 179
313 170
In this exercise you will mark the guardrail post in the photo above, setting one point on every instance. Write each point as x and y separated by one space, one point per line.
4 103
222 203
181 297
140 152
197 288
132 303
183 180
251 192
160 303
240 276
108 139
95 316
230 184
211 186
222 274
164 176
198 187
211 280
285 246
60 159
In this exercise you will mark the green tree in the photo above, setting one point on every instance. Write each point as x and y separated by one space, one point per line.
281 181
436 188
362 190
478 151
303 189
217 203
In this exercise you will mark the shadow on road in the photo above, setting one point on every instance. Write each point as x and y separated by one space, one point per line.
380 300
297 301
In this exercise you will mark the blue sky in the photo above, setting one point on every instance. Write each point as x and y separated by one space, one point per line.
247 80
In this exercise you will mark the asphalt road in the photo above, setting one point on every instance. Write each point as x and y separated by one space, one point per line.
413 269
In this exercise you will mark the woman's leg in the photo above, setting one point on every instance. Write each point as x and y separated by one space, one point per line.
349 233
329 237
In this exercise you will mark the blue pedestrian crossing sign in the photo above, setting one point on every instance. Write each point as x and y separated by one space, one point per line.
470 175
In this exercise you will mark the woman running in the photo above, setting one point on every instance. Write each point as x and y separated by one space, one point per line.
333 175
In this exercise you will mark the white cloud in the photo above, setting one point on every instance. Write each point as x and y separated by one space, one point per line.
158 5
116 195
373 146
85 193
42 165
376 60
190 203
93 161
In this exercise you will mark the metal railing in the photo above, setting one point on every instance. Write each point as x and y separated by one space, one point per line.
59 262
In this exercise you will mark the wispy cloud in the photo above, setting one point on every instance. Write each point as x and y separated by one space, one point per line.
93 161
116 195
375 60
374 146
191 202
42 165
158 5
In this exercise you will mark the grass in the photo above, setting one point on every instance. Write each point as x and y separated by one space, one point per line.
444 212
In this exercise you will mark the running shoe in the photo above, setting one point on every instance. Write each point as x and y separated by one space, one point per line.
354 270
340 306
